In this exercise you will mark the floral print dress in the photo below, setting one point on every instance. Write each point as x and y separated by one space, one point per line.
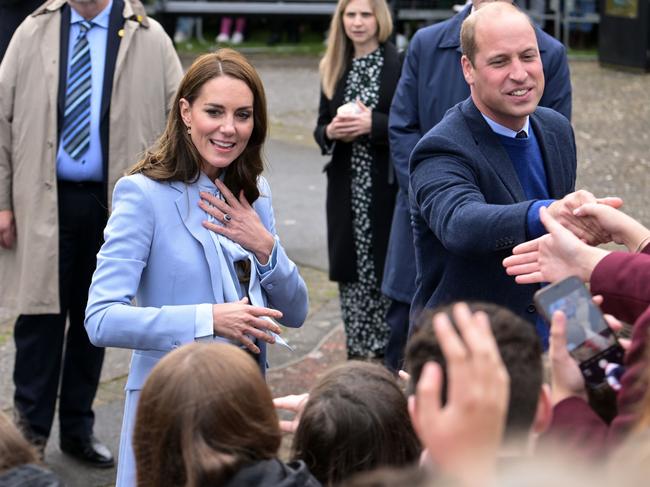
363 306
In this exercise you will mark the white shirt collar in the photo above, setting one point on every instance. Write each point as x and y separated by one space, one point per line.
505 131
101 19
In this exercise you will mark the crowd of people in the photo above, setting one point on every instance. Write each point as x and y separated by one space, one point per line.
451 200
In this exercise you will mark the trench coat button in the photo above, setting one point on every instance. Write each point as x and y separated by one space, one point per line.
48 185
531 308
50 144
270 286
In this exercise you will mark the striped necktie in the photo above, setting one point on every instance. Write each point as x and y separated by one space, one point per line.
76 116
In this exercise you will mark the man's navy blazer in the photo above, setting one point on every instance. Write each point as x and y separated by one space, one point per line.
468 208
431 83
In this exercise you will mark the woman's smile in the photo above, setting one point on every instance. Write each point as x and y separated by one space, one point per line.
220 122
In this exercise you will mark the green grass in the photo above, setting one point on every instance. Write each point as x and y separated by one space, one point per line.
589 54
311 44
6 331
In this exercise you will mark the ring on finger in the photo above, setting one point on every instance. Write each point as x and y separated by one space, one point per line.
226 218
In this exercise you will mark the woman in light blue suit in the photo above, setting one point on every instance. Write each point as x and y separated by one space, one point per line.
190 250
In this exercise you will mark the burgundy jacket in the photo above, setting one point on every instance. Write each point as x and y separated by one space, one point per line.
623 279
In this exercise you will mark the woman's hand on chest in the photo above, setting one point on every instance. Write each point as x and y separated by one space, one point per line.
240 222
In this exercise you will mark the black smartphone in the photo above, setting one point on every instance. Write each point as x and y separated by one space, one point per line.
590 340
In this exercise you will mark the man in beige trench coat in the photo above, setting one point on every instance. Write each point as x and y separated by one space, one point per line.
85 87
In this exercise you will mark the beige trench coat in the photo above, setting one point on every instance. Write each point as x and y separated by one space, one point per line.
147 73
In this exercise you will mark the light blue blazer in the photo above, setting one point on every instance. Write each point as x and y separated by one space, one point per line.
157 253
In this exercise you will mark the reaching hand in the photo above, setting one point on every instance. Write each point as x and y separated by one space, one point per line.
239 321
295 404
584 227
7 229
552 257
243 224
624 229
566 378
463 436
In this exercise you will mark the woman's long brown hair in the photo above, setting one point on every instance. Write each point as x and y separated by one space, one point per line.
175 158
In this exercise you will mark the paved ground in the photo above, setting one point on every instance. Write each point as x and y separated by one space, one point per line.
611 120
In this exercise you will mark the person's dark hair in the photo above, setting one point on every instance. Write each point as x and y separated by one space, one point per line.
356 419
203 413
520 350
175 158
15 450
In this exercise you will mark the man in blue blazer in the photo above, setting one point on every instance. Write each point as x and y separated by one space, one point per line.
431 83
479 177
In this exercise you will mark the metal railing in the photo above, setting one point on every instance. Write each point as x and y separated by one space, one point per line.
561 15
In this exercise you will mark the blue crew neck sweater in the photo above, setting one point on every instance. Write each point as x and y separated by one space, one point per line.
526 157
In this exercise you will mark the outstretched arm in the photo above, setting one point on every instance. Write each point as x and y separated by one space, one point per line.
554 256
446 192
623 229
583 226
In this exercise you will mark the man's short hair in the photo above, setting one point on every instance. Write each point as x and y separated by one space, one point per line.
468 28
520 350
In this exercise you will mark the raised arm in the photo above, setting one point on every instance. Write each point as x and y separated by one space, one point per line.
554 256
622 278
464 435
447 194
623 229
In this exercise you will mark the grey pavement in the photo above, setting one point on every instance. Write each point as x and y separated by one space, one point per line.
611 120
293 168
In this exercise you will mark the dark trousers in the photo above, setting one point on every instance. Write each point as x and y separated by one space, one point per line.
397 318
45 353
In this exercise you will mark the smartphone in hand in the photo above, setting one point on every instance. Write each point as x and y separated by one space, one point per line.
590 340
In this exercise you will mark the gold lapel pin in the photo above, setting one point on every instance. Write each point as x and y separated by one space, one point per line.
120 32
